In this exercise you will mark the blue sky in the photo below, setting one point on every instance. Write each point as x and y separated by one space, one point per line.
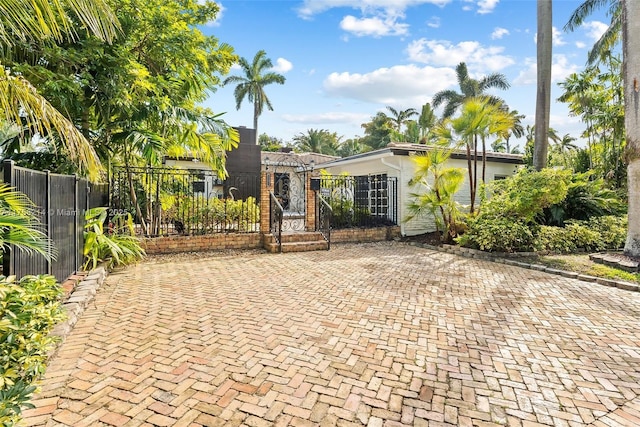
345 60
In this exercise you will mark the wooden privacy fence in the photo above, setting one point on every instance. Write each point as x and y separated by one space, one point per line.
61 202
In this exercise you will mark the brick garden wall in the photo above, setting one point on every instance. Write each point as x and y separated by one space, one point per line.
212 242
363 235
215 242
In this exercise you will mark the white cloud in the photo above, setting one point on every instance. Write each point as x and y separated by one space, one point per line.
434 22
401 85
327 118
487 6
483 6
477 57
314 7
581 45
560 70
557 37
595 29
376 26
499 33
282 66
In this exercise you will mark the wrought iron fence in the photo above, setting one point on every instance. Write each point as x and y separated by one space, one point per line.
361 201
60 201
166 201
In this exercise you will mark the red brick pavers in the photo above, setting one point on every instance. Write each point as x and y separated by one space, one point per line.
380 335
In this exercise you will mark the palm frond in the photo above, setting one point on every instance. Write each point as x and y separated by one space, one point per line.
20 102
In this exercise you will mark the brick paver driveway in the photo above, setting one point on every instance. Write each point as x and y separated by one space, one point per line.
378 334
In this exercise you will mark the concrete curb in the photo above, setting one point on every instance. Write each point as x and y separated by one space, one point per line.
83 293
512 259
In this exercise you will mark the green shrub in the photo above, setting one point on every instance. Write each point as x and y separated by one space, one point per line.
596 234
584 237
497 234
612 229
202 214
586 198
117 248
524 196
554 239
28 311
506 222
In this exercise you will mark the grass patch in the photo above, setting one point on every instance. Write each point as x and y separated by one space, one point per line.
580 263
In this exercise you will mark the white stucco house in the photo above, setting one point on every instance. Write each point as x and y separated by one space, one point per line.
395 161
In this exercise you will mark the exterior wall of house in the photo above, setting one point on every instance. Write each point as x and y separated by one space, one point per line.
403 168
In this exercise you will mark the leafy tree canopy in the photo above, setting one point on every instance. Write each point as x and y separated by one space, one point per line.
138 97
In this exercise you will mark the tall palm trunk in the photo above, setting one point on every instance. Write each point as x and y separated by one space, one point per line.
631 75
256 113
543 98
470 170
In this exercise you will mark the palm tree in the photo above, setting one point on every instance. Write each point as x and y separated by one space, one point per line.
543 97
564 146
399 118
517 130
251 85
479 119
499 146
317 141
631 65
426 122
469 88
439 184
48 22
579 92
609 38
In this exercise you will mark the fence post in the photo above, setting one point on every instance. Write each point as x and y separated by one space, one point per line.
310 197
266 185
76 207
9 178
47 214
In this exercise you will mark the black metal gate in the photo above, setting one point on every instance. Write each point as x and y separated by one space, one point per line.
167 201
289 189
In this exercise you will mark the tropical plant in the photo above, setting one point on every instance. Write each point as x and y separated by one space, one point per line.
377 133
595 234
399 118
543 97
47 23
200 215
586 198
270 143
469 88
596 96
516 130
20 226
350 147
479 119
118 247
29 309
252 84
508 219
605 44
438 185
317 141
426 122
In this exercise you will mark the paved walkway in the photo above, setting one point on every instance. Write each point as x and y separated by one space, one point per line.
379 335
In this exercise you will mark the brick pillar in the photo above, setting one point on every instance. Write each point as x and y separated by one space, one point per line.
266 186
311 204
